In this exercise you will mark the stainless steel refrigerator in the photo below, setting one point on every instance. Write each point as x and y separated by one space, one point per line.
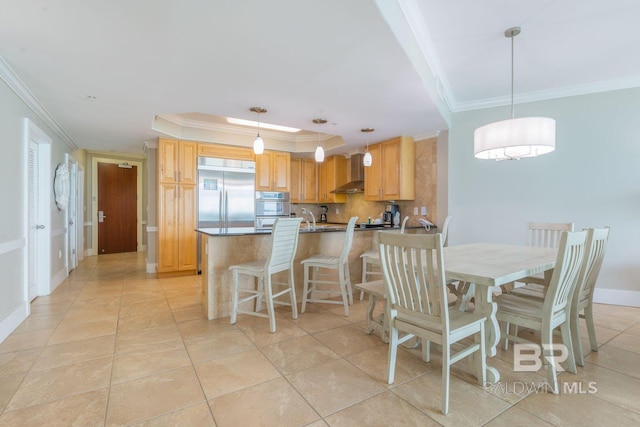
226 194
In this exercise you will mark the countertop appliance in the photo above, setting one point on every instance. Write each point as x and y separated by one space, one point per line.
390 212
226 194
323 213
269 206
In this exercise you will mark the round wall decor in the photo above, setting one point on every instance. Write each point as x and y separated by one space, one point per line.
61 186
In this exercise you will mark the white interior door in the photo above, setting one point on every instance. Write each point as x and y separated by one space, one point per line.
38 189
33 225
80 215
72 220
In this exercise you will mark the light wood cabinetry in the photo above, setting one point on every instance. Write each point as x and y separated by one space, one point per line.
304 180
225 152
273 171
177 189
391 175
332 173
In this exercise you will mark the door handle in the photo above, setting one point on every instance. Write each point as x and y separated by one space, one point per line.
39 227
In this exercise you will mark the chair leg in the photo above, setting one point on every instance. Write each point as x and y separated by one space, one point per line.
305 291
591 327
292 294
270 309
314 277
393 352
505 331
343 289
565 329
575 337
446 367
347 276
426 350
234 308
549 359
364 275
260 290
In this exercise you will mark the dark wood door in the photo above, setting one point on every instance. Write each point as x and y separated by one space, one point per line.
117 214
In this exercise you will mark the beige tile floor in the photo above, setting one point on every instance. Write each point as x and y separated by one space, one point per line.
115 346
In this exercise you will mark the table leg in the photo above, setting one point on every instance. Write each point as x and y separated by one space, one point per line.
370 320
484 305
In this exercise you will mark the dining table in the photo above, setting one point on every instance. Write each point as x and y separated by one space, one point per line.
486 266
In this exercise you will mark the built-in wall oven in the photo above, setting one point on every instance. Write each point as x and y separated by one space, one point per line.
269 206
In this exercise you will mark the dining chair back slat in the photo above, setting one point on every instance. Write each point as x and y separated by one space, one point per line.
546 234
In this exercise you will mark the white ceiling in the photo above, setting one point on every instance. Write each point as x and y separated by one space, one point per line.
400 66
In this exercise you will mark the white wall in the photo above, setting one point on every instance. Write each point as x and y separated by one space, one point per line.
13 109
592 179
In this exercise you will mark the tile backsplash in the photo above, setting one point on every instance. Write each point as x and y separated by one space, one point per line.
357 206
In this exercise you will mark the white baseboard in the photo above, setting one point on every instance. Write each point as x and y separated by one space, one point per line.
151 268
616 297
58 278
12 321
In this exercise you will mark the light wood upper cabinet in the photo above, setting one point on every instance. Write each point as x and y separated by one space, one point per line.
273 171
309 183
304 180
304 188
373 174
177 161
332 173
225 152
391 175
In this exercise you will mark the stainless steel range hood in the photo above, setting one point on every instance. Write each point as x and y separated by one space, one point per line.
356 181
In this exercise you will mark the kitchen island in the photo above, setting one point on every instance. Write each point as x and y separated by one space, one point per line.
224 248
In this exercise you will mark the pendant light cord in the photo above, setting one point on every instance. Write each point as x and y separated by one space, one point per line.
512 78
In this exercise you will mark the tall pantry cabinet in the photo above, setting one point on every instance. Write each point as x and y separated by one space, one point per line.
177 192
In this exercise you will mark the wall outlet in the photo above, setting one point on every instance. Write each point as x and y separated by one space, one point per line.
59 254
337 211
423 211
415 210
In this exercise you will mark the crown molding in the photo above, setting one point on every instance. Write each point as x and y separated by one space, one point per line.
13 81
545 95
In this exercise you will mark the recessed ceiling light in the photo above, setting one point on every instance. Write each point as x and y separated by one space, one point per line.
262 125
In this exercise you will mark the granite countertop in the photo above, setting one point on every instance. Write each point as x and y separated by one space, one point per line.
320 228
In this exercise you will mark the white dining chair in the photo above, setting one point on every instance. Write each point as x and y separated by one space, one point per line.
371 261
323 269
284 243
552 312
582 300
541 235
417 304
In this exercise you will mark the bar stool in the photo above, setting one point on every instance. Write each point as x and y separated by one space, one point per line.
284 243
327 262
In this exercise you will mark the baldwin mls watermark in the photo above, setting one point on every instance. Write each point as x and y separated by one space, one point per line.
530 358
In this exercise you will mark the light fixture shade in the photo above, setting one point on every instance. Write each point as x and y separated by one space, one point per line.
258 145
515 138
319 154
367 159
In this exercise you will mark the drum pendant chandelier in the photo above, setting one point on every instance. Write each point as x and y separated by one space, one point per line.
514 139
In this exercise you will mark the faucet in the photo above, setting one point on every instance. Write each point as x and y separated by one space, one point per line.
313 218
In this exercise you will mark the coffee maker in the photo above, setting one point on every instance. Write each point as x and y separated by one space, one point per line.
391 209
323 214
